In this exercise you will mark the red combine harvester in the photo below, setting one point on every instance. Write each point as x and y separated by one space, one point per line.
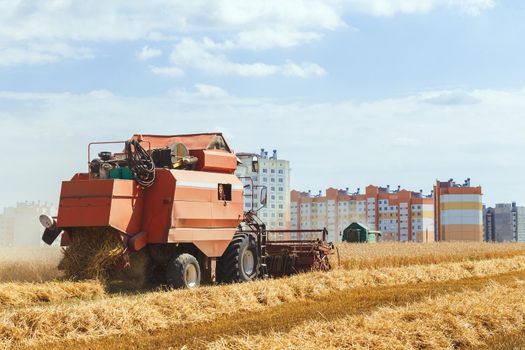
177 199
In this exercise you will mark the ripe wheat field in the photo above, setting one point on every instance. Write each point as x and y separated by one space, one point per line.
378 296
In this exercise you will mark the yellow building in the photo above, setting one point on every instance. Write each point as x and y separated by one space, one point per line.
459 211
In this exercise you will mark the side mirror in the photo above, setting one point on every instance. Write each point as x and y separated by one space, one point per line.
264 196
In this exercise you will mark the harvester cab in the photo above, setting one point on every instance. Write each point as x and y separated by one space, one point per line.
174 204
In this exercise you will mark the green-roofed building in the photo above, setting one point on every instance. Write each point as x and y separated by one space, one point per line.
356 232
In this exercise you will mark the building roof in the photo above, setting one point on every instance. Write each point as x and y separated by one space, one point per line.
357 225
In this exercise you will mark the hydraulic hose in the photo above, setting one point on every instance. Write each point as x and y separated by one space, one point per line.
140 163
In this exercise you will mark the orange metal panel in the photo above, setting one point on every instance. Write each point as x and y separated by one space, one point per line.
115 203
126 214
83 213
191 211
86 188
158 204
191 202
212 242
195 194
216 160
205 177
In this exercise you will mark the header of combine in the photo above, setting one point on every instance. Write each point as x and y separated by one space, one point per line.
176 196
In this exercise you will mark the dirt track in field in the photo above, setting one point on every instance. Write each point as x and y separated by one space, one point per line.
284 317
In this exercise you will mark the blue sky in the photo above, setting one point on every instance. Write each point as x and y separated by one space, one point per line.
351 92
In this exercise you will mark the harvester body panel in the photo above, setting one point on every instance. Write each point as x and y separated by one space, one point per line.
182 206
103 203
187 207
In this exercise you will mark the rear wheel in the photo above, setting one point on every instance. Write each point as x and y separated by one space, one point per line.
183 271
239 263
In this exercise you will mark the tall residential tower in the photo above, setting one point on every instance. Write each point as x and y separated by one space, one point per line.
458 211
274 174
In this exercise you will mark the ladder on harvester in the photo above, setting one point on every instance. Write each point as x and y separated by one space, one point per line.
263 236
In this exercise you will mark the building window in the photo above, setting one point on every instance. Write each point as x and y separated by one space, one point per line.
281 180
281 171
265 170
272 171
281 189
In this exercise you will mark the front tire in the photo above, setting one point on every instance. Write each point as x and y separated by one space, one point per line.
183 271
240 262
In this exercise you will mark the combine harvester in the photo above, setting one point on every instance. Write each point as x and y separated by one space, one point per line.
176 200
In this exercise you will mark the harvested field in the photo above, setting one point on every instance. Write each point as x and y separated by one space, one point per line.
163 310
451 321
373 279
22 294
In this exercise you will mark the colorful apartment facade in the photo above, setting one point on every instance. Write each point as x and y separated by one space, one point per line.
400 215
459 211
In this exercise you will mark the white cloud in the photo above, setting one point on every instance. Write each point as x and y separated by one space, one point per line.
172 72
255 24
472 7
101 94
129 20
267 38
393 7
303 70
148 53
200 94
207 56
394 141
41 53
449 98
296 13
211 91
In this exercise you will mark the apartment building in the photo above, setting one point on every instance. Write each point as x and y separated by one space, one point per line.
19 225
400 215
504 223
458 211
488 224
274 174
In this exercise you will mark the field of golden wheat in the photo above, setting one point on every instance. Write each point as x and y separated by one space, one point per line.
378 296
